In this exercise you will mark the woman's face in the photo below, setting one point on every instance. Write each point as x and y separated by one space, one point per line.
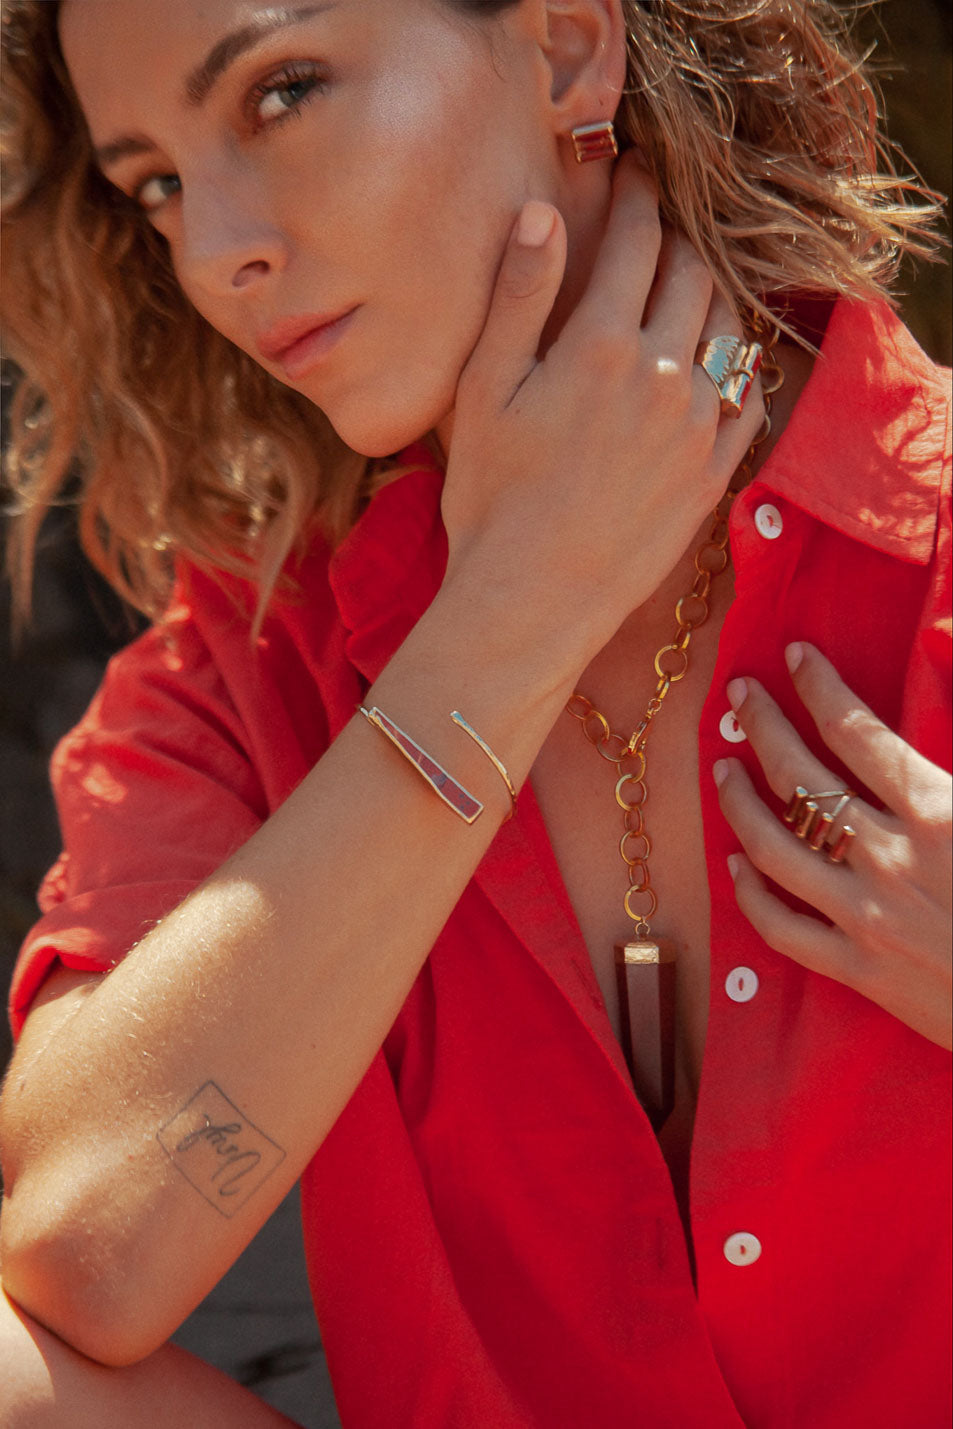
351 160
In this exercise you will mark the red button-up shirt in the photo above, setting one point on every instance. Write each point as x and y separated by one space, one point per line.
491 1231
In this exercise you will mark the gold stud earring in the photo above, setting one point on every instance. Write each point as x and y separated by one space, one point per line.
594 141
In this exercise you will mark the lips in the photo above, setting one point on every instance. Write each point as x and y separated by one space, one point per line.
296 343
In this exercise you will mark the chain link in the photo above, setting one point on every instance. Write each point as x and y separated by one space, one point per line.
671 664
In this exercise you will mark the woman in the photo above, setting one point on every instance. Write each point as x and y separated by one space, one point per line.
295 931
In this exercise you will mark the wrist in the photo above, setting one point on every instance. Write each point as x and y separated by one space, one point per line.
520 618
478 652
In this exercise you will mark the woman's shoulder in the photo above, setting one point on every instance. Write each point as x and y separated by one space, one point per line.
286 672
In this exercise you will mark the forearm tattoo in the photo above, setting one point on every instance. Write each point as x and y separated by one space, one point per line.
218 1150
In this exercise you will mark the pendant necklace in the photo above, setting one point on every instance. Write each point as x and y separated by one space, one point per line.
645 965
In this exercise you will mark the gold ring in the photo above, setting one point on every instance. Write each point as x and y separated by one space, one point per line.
732 364
815 826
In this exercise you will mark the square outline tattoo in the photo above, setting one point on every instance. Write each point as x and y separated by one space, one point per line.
218 1149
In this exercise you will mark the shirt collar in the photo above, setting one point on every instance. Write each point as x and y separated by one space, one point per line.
388 568
863 449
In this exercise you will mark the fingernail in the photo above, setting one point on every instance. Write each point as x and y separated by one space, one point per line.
737 693
535 224
793 655
720 771
734 865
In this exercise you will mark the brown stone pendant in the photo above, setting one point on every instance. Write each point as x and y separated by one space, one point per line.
645 974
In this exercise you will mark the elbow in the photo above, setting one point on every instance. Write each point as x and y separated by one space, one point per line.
50 1271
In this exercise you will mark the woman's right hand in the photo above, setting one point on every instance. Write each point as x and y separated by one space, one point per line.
595 465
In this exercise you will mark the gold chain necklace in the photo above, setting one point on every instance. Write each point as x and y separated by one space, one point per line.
645 968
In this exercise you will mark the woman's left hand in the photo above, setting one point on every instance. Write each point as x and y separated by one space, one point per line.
890 901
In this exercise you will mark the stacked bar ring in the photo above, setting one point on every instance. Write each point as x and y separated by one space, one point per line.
732 363
814 826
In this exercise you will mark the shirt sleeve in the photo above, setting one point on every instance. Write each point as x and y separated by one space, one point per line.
154 789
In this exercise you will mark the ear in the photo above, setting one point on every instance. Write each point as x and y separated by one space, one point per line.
585 46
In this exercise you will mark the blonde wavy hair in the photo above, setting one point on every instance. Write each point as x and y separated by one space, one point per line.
757 117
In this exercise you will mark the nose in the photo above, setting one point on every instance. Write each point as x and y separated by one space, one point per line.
230 241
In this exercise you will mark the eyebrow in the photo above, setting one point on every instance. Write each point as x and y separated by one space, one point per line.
221 55
202 79
109 154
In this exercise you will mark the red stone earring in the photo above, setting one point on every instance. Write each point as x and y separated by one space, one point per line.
594 141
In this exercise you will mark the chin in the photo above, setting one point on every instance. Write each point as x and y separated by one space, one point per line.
381 432
374 446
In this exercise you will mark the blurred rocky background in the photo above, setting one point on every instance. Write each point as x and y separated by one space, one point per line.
258 1324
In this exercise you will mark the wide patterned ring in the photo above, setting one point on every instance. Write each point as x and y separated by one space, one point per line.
732 364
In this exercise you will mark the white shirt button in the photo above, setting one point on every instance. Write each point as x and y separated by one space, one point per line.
742 1248
768 522
730 729
741 984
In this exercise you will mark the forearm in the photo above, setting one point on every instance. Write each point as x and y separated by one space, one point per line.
277 981
45 1383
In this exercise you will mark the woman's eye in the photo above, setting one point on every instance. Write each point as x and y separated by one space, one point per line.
153 193
282 94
